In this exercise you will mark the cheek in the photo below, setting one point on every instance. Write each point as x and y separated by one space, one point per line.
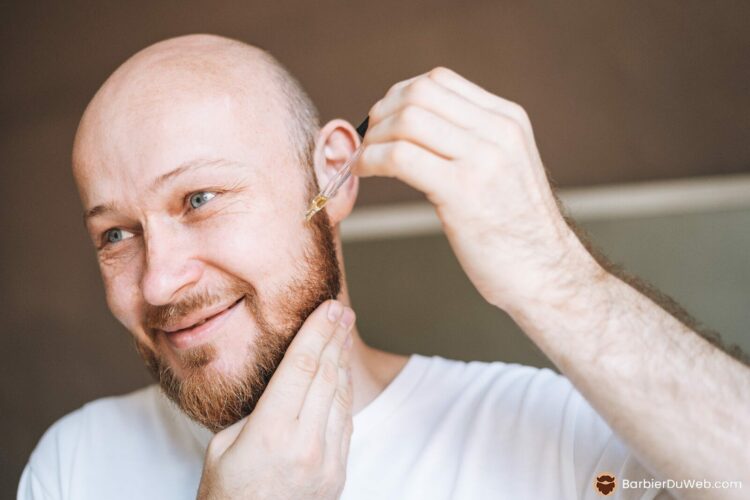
262 249
121 287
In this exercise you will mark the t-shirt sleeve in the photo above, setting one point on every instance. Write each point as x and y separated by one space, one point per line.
31 488
598 450
48 472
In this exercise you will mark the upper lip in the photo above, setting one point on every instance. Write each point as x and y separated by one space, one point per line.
196 317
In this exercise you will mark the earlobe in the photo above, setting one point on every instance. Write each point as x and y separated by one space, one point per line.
336 142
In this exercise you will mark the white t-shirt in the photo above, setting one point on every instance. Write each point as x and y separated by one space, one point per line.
442 429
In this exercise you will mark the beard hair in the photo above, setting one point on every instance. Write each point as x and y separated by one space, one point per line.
217 400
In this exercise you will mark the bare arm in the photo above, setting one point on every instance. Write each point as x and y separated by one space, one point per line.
680 402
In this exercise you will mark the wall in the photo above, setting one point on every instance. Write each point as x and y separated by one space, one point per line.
411 295
617 91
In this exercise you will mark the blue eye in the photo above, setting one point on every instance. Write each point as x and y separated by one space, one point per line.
115 235
200 198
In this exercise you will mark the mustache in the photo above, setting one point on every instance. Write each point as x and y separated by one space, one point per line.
160 317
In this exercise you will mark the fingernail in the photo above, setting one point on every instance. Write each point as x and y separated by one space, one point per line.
349 373
334 310
347 318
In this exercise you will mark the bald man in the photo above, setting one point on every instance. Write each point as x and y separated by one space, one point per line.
195 163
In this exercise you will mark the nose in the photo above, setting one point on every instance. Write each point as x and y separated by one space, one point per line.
171 264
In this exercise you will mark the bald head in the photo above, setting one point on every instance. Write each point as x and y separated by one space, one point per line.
195 163
191 68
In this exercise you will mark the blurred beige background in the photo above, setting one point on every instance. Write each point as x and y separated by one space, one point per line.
640 109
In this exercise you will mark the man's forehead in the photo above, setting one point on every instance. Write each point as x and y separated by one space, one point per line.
141 145
178 101
151 144
173 91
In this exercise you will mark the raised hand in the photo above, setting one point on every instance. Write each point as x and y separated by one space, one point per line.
473 154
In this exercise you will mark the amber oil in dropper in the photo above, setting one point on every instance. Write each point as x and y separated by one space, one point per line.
315 206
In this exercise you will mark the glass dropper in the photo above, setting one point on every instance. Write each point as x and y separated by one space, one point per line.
338 180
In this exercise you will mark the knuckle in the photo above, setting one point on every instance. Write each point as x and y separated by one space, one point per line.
320 329
374 113
343 396
520 114
511 132
417 89
310 456
410 114
338 338
439 72
393 89
305 362
366 159
397 153
329 372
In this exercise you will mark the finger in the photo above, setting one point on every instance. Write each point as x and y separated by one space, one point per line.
346 440
476 94
313 416
421 91
396 87
424 128
428 94
285 394
339 426
413 164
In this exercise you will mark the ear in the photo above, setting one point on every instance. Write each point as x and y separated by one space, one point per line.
336 142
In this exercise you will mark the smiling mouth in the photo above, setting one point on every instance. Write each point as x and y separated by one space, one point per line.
201 331
204 320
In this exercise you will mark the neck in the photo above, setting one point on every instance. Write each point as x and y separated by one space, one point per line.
372 369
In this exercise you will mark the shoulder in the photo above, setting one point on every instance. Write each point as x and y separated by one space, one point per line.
105 414
497 380
506 400
538 414
53 460
496 423
139 405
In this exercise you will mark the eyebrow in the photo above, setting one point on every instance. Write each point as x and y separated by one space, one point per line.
186 167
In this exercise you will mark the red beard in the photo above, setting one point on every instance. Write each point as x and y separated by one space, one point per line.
217 400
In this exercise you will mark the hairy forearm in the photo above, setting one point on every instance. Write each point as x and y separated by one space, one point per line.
681 403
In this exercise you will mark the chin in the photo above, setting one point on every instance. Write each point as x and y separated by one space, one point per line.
211 360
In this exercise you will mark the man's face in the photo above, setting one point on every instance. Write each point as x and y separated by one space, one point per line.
195 203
